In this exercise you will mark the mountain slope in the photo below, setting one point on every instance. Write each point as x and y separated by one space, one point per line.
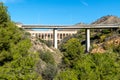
106 39
108 20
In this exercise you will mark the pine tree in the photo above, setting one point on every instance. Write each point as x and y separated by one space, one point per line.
16 62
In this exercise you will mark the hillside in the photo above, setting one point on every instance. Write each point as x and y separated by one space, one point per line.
38 46
99 37
109 19
102 63
107 37
48 60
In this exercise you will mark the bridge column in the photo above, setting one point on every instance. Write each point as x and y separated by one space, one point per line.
55 38
87 33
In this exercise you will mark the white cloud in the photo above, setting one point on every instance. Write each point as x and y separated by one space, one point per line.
84 3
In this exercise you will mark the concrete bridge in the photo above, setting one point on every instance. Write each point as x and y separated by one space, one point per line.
86 27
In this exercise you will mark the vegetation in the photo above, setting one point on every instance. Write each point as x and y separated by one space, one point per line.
50 72
16 62
98 66
49 43
77 65
71 50
88 66
47 57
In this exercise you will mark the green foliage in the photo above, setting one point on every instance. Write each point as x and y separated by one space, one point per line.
4 17
72 47
102 38
47 57
67 75
94 67
106 31
89 66
72 50
16 62
46 67
116 49
21 68
49 43
98 67
50 72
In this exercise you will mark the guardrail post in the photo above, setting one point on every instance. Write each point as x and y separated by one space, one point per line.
55 38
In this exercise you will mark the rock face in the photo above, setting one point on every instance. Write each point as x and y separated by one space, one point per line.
111 40
102 48
98 50
108 20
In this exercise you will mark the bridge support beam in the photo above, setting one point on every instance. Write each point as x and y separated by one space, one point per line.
55 38
87 33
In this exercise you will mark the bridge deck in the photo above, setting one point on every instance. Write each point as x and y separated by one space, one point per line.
70 27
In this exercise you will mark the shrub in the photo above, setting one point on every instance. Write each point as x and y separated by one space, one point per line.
50 72
67 75
93 67
102 38
72 50
47 57
49 43
98 67
116 49
106 31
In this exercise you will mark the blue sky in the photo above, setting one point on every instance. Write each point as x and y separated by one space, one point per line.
60 12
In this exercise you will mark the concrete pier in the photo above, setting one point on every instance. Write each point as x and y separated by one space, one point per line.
87 33
55 38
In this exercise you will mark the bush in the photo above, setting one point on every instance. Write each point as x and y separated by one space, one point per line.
98 67
49 43
106 31
71 50
50 72
102 38
116 49
93 67
67 75
47 57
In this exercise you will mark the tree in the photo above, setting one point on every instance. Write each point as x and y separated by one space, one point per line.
16 61
72 50
4 17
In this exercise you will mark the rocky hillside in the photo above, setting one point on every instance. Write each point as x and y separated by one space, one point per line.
48 59
108 20
103 47
40 47
112 38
